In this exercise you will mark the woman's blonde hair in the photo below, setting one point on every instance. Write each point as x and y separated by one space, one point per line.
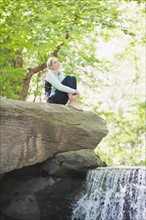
49 62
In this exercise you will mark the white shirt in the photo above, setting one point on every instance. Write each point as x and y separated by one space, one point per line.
55 78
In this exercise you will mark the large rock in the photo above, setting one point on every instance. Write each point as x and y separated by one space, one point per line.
73 163
39 198
34 132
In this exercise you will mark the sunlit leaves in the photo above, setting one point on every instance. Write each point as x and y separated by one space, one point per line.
10 79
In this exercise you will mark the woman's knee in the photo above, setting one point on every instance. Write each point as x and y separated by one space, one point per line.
74 78
70 77
70 81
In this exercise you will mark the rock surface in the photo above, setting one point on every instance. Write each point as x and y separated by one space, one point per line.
34 132
73 163
39 198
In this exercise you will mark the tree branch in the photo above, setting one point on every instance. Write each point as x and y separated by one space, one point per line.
55 52
31 71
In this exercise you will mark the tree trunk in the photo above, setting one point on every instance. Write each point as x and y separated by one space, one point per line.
18 61
24 92
26 81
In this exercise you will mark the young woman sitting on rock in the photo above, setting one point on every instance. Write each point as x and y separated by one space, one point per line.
60 89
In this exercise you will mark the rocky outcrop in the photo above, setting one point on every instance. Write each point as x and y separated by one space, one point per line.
39 198
73 163
33 132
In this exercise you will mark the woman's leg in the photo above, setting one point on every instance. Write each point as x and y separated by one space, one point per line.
70 81
62 97
72 102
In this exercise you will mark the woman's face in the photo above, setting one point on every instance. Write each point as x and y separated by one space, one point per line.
55 64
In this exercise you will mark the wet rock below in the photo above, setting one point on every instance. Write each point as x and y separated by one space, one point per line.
39 198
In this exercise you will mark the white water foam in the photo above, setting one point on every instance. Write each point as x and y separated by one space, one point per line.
113 193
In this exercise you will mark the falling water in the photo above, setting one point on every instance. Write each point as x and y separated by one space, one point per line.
113 193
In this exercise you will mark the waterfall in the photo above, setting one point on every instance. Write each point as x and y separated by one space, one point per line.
113 193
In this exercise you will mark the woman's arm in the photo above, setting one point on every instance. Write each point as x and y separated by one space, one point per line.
51 78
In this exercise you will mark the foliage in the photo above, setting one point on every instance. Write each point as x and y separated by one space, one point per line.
126 138
37 27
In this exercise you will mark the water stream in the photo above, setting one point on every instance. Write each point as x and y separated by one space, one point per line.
113 193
